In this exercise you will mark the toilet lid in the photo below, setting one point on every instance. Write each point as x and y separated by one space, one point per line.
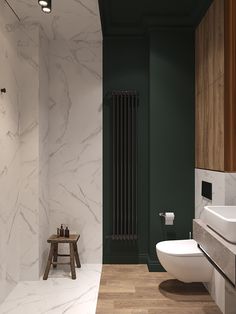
179 248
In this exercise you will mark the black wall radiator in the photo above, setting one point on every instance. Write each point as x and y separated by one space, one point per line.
124 144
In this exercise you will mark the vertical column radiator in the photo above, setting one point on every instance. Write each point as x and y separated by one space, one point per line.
124 143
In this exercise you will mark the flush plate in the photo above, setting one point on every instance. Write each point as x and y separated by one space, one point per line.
207 190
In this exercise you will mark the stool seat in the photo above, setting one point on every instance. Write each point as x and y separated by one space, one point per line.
54 240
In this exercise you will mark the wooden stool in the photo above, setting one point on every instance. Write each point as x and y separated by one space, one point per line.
53 254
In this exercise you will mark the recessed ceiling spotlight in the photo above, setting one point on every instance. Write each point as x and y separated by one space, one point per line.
43 3
47 8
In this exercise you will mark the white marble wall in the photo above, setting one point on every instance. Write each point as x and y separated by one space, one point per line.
223 189
75 171
9 156
19 152
44 216
218 189
50 140
69 19
28 78
223 193
24 215
230 188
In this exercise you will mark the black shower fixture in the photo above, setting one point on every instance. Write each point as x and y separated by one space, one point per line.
46 5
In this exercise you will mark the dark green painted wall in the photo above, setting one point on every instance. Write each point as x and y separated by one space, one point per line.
161 68
125 67
171 133
135 17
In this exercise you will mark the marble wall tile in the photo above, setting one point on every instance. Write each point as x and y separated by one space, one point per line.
10 156
223 189
75 145
59 294
220 251
43 148
23 155
28 68
69 20
218 189
230 191
34 115
223 193
50 135
230 299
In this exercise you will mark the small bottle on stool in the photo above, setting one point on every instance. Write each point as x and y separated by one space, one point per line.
67 232
62 231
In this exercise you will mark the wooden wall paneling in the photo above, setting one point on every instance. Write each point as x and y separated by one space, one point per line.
199 60
210 89
209 127
230 86
200 69
218 33
199 117
217 115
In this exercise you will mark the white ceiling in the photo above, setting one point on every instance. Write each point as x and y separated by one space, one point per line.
69 19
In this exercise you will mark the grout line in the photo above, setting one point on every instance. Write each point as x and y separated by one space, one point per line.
13 10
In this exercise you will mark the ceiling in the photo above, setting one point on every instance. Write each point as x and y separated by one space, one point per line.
69 19
80 19
134 17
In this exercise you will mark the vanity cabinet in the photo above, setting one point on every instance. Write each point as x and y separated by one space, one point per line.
221 253
215 90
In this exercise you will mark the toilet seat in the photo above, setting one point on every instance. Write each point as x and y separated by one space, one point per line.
184 260
179 248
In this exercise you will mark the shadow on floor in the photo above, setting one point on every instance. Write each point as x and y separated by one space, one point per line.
177 287
187 292
207 310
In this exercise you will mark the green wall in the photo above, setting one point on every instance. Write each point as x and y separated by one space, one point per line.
125 66
161 68
171 133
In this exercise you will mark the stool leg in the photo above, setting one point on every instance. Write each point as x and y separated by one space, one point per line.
55 252
76 255
72 261
49 262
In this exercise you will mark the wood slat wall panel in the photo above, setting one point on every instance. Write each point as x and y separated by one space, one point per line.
209 132
230 86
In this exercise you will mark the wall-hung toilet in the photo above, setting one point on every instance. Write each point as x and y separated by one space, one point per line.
184 260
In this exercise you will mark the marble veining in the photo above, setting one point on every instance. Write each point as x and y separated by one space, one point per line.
223 193
223 189
28 68
70 20
230 195
43 116
58 295
221 252
50 135
218 189
75 142
10 147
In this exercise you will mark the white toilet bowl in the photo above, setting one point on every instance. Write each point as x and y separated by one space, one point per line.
184 260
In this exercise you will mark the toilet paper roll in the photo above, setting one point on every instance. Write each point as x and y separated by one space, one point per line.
169 218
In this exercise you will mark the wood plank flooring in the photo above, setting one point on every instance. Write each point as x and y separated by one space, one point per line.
132 289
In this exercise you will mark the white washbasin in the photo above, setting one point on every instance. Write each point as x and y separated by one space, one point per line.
221 219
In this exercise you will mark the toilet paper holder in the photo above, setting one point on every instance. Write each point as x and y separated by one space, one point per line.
168 217
162 214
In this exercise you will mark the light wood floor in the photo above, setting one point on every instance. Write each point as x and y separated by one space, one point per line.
131 289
